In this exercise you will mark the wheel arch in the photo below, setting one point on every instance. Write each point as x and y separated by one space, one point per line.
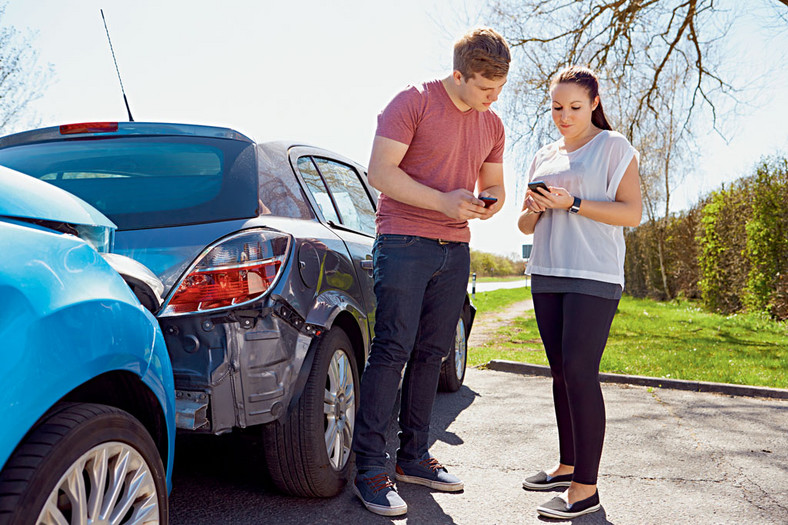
349 325
469 307
126 391
348 320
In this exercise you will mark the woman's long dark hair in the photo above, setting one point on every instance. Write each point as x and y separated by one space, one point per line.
585 78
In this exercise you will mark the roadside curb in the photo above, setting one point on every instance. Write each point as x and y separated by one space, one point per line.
677 384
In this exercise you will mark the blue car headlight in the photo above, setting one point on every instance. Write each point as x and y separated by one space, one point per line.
101 238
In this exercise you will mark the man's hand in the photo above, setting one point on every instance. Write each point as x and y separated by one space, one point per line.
493 208
490 184
463 205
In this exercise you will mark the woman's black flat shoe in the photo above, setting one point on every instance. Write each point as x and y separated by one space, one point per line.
558 508
542 481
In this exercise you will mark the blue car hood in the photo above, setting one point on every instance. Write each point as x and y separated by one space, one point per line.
25 197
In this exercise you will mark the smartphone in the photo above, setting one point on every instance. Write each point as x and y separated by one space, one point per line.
488 201
538 184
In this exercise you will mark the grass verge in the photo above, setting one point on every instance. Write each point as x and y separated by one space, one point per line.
500 299
507 278
672 340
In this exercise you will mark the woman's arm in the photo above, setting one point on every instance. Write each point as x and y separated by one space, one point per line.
626 210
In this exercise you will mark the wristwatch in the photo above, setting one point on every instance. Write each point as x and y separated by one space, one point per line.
575 207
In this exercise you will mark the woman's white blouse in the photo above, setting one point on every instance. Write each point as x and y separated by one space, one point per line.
567 244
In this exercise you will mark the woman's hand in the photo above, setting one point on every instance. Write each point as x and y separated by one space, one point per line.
531 205
530 213
558 198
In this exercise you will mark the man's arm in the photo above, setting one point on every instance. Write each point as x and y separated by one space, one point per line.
386 176
490 183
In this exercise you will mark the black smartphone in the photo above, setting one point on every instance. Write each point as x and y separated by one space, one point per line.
488 201
538 184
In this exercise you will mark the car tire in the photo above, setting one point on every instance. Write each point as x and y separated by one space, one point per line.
79 452
299 460
453 367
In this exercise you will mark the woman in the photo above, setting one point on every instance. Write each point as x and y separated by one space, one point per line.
577 269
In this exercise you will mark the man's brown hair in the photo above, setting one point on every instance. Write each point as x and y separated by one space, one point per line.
482 51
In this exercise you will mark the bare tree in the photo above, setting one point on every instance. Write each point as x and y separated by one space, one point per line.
660 66
636 45
22 79
633 43
666 149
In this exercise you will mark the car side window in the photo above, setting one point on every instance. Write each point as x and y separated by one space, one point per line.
318 188
350 196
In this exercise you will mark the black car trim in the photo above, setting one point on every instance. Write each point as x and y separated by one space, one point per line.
351 230
294 153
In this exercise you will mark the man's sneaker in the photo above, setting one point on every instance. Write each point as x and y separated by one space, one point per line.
558 507
378 494
427 472
543 481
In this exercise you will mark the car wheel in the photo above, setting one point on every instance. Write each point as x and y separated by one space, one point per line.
453 367
85 463
308 451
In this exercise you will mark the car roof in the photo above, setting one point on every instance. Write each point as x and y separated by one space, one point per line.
108 129
284 147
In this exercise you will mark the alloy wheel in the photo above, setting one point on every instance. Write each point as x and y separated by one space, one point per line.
460 349
339 408
109 484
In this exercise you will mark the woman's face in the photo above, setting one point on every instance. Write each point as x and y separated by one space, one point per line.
572 108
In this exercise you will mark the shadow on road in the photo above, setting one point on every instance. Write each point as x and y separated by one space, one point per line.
222 480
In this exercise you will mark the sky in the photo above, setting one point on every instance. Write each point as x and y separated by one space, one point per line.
320 71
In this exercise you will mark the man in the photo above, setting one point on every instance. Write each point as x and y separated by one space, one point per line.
435 143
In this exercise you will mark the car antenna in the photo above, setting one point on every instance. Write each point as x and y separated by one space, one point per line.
131 119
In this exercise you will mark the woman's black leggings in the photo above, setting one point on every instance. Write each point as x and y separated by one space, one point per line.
574 329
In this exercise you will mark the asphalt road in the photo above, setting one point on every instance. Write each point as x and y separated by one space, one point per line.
497 285
670 457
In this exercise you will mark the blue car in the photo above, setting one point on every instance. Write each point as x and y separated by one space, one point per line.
87 399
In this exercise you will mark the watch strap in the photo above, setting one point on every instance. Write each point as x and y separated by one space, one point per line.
575 207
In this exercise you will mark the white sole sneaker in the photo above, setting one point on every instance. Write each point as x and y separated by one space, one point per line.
381 510
435 485
558 507
552 513
542 481
545 486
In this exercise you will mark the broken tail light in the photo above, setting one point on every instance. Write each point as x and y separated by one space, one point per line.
236 270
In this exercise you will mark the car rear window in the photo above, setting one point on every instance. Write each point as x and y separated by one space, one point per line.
147 182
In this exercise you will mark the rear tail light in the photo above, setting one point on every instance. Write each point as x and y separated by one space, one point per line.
89 127
237 270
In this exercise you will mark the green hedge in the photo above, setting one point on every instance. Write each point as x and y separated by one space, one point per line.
680 256
723 264
485 264
730 250
767 240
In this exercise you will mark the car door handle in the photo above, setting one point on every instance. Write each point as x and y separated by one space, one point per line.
366 264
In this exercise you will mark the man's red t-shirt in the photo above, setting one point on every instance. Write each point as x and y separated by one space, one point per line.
447 148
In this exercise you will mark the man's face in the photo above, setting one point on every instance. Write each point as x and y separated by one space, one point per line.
477 91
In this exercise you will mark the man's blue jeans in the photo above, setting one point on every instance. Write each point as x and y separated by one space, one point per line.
420 288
